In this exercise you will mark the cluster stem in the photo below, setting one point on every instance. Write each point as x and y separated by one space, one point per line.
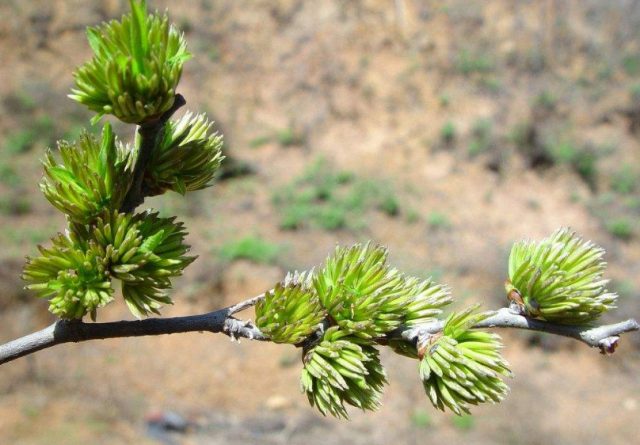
148 134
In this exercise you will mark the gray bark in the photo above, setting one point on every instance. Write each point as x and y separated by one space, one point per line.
604 337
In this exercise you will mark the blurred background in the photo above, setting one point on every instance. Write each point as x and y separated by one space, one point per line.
443 129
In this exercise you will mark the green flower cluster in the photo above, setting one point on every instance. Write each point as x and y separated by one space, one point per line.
143 251
136 67
359 298
367 298
73 273
92 177
461 367
342 369
559 279
290 312
186 158
133 75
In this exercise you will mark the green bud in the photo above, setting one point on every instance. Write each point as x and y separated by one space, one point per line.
143 299
367 298
342 369
144 252
460 367
426 301
73 275
136 66
290 312
92 177
559 279
187 157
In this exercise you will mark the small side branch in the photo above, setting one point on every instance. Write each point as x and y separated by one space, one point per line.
603 337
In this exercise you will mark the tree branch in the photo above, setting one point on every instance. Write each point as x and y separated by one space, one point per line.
74 331
148 134
604 337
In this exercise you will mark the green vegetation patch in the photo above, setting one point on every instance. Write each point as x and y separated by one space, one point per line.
481 137
471 62
619 217
621 228
438 220
252 248
631 64
448 132
583 160
464 423
329 199
421 418
624 181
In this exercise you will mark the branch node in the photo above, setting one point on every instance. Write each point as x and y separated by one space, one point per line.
608 345
425 341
